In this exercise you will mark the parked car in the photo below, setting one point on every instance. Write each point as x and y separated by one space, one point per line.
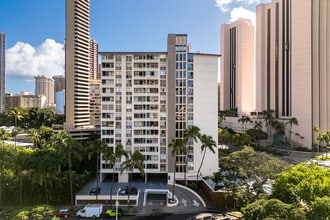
91 211
125 190
112 212
133 191
63 213
95 191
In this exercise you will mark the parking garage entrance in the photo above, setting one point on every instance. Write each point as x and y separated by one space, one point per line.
156 197
156 178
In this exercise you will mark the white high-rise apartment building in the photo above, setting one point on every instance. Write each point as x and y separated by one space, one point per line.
2 71
150 98
77 64
237 66
292 64
44 87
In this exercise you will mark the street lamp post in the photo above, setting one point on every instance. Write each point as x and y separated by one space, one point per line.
117 203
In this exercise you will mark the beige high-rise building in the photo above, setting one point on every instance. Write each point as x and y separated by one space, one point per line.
77 63
44 87
2 71
93 62
292 64
95 102
23 100
237 66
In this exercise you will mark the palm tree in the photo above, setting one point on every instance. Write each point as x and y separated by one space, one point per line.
98 146
178 147
34 136
3 135
323 137
17 114
65 144
135 160
268 119
112 157
191 135
207 143
292 121
244 120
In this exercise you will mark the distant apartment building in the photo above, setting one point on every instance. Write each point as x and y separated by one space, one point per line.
150 98
237 66
77 68
2 71
23 100
59 83
95 102
292 64
44 86
93 62
95 86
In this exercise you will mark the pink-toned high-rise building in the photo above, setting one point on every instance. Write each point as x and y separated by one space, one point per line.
292 64
237 66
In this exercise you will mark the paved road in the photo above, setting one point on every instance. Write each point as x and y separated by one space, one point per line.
296 157
154 216
188 201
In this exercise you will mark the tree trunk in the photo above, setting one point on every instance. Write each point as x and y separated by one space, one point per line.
20 188
1 188
112 181
130 178
200 166
174 180
70 176
185 171
46 189
97 174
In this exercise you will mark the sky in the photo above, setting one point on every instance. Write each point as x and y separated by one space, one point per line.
35 30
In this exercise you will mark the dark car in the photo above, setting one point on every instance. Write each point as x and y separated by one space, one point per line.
95 191
123 191
126 190
133 191
63 213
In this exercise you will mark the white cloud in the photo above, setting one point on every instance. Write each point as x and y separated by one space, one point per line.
241 12
223 4
226 5
25 61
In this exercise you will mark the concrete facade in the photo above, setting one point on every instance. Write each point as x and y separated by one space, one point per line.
237 66
2 71
292 56
23 100
95 102
150 98
93 63
77 64
44 86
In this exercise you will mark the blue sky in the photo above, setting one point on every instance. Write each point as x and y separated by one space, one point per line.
35 30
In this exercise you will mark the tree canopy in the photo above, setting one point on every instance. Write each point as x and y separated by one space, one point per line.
301 192
246 171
